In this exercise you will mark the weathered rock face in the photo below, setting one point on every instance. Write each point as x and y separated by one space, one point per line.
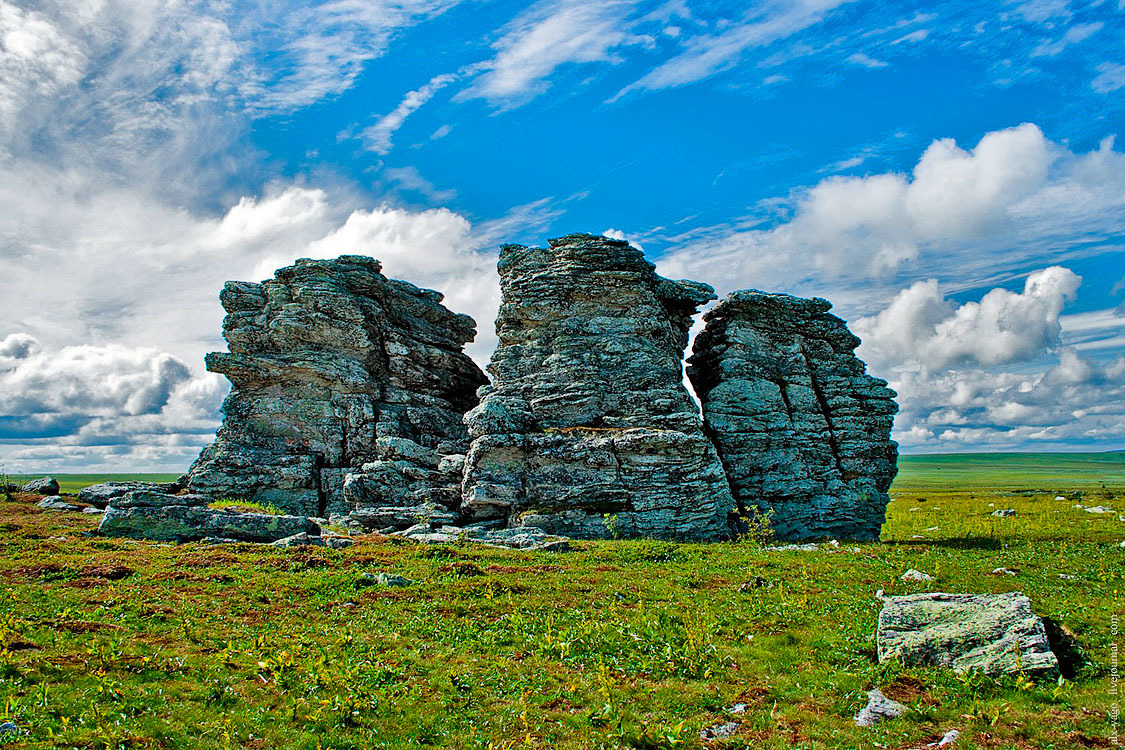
325 358
44 486
587 429
802 430
990 633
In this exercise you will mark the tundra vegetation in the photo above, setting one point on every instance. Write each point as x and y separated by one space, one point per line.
109 643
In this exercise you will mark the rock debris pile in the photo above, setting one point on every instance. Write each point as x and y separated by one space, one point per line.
353 403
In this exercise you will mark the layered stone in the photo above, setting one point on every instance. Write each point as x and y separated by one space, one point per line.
803 431
587 429
326 358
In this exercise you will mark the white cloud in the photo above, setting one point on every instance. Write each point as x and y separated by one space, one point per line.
1111 77
706 55
547 36
378 137
866 61
1077 33
922 326
1015 190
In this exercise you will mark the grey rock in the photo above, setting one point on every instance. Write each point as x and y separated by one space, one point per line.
184 523
529 538
1091 509
101 495
337 542
54 503
1003 513
587 416
331 365
802 430
93 511
401 517
991 633
45 486
384 579
720 731
915 575
147 498
878 707
301 539
10 728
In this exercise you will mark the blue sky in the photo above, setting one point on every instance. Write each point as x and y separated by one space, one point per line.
945 173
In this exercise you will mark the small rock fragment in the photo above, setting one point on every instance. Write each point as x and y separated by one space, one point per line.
1004 512
915 575
1003 572
720 731
1100 509
878 707
54 503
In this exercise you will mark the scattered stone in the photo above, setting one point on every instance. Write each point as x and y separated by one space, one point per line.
947 739
1060 499
1100 509
878 707
739 708
101 495
1066 577
185 523
93 511
915 575
337 542
808 547
325 358
720 731
1003 513
992 633
54 503
383 579
802 430
757 582
45 486
1003 572
302 539
9 728
587 429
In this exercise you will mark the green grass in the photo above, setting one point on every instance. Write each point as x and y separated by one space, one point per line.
1024 471
111 643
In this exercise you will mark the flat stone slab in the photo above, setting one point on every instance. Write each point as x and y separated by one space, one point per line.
990 633
186 523
101 495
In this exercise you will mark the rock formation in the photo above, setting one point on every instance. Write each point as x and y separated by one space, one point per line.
325 359
802 430
587 429
989 633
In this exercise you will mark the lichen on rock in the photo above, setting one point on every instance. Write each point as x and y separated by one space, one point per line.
803 431
587 429
325 358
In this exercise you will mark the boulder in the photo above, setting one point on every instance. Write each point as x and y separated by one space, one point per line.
587 429
101 495
148 498
529 538
44 486
326 360
185 523
990 633
802 430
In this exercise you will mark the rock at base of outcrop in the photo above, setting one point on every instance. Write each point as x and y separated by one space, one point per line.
101 495
990 633
186 523
325 358
304 539
409 484
54 503
517 538
802 430
878 707
45 486
587 429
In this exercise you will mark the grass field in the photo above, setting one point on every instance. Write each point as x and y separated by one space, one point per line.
111 643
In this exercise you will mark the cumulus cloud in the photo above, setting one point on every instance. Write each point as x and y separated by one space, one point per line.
1015 189
1004 327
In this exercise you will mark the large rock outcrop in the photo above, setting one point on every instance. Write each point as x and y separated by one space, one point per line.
802 430
326 358
587 429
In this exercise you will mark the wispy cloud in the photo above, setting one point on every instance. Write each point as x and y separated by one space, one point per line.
378 137
550 35
1111 77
